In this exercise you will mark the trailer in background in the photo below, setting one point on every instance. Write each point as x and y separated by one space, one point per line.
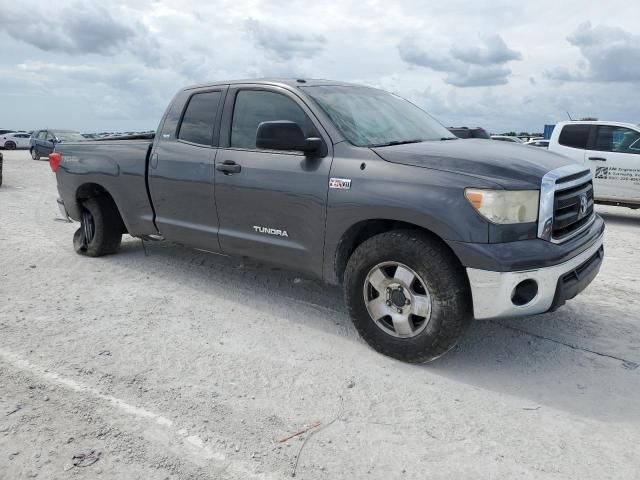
548 130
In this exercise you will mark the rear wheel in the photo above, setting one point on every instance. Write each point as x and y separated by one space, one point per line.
34 154
101 228
407 295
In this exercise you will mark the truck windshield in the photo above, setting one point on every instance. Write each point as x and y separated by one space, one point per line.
368 117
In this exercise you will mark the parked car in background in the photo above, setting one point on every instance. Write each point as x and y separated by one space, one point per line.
466 132
42 142
2 132
506 138
11 141
542 143
611 150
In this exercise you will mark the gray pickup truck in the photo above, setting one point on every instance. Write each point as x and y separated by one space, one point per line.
352 185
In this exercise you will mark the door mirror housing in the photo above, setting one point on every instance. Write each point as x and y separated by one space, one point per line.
285 135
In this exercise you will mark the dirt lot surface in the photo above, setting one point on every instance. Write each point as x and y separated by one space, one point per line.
178 364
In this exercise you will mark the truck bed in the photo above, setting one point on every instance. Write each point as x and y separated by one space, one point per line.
117 165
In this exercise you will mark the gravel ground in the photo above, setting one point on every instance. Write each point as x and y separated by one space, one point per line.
177 364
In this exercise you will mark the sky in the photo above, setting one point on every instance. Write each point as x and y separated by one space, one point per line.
114 66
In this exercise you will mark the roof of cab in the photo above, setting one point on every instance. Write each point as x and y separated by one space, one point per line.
599 122
283 82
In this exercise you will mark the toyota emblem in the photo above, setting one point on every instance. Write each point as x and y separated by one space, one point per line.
584 204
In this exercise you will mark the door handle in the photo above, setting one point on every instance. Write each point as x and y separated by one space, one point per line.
228 167
598 159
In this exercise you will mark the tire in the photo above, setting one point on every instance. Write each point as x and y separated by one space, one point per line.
34 155
1 159
439 294
10 146
101 228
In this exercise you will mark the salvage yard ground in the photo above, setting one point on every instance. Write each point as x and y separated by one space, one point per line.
165 362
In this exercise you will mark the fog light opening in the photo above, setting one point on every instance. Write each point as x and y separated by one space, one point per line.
524 292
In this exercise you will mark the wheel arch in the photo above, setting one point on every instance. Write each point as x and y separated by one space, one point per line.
361 231
92 190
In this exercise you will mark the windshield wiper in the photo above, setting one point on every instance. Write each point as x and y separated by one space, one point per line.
397 142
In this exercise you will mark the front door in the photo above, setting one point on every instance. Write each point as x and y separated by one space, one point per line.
181 174
273 206
614 156
47 146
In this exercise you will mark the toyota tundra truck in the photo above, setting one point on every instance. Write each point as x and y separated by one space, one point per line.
355 186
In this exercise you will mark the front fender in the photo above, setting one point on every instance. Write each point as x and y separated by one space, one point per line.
428 199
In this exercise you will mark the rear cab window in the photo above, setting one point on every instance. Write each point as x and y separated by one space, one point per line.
198 121
575 136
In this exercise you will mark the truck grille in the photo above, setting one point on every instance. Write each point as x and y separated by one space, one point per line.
572 208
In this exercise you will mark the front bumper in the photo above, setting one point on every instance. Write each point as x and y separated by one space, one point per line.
493 292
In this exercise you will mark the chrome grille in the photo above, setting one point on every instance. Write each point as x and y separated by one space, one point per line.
572 209
566 203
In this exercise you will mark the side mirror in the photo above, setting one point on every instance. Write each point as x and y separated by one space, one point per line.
285 135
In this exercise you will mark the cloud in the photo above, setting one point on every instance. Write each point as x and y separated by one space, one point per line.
610 54
115 65
284 44
474 76
83 28
465 67
494 52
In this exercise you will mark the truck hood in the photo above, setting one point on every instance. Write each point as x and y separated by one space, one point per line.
512 166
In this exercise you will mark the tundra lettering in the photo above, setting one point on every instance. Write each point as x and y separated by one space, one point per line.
271 231
424 232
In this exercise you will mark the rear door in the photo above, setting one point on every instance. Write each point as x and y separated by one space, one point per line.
273 208
614 155
21 140
181 173
40 141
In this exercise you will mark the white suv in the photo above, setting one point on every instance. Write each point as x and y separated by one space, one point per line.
612 152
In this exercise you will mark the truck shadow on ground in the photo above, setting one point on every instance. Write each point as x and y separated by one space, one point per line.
557 369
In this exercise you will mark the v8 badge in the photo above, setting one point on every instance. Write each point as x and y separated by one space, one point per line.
340 183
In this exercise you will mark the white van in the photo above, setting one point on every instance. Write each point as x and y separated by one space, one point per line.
612 152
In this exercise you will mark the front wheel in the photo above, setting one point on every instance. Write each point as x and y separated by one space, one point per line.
408 296
101 228
10 145
34 154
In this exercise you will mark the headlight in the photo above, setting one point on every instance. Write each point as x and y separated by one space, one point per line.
505 206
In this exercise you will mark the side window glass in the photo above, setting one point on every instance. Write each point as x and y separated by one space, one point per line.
575 136
199 118
173 117
42 135
253 107
622 140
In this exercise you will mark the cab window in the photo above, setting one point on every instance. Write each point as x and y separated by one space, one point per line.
253 107
575 136
199 118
